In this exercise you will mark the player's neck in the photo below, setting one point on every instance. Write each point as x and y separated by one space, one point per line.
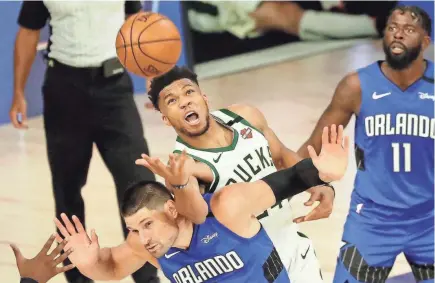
404 78
216 136
185 233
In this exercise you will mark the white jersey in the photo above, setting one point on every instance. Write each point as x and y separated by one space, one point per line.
247 159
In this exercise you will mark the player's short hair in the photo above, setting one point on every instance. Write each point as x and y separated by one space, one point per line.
417 13
159 83
150 194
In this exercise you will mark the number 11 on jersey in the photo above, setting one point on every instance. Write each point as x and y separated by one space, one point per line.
399 154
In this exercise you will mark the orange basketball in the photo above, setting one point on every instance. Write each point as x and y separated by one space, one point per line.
148 44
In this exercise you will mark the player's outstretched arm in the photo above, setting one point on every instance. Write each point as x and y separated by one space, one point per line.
284 157
98 263
345 102
235 204
179 178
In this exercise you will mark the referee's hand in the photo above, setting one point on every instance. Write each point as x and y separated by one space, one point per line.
18 111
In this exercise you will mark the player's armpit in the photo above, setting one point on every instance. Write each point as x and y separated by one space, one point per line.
345 102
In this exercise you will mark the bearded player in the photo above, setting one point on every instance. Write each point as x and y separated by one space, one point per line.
392 204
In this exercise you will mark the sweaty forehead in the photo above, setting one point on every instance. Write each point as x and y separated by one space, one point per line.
174 86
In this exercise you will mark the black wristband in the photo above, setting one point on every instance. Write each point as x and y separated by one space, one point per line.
294 180
27 280
179 187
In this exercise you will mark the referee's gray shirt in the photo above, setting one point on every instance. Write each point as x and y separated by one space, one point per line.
82 33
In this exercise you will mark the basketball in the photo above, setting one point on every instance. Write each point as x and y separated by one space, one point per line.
148 44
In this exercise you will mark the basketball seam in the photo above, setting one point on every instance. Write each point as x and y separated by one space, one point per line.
140 34
131 46
125 49
146 42
162 18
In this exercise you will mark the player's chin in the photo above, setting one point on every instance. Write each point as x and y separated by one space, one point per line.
195 130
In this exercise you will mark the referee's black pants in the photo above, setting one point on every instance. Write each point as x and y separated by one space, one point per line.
82 107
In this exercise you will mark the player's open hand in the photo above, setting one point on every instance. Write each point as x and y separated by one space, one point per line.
43 266
333 158
86 250
178 170
325 196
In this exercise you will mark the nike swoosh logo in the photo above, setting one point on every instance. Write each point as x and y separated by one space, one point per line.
377 96
171 255
305 255
218 158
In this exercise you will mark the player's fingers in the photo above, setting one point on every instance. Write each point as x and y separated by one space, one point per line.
69 226
325 135
312 152
141 162
346 144
58 249
316 196
61 228
94 237
47 245
333 136
340 135
299 219
18 255
313 214
58 238
78 224
64 268
62 257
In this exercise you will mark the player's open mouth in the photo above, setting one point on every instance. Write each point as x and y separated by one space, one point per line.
192 118
397 48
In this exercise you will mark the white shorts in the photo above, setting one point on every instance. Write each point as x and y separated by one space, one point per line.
294 248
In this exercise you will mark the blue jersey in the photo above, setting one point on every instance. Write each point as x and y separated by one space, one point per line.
394 136
216 254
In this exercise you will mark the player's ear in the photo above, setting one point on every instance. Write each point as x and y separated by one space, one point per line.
426 42
166 121
170 209
206 99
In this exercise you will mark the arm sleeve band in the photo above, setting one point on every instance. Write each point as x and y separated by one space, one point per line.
28 280
294 180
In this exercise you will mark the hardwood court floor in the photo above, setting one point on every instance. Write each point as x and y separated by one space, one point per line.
291 94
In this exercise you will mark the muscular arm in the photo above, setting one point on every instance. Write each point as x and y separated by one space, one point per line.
345 102
119 262
235 205
281 155
189 201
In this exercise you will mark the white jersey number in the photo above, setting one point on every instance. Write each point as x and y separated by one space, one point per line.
397 157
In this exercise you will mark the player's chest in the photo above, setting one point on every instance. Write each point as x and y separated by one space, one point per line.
211 260
418 99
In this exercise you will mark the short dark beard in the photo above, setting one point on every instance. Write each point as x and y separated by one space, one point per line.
402 61
192 135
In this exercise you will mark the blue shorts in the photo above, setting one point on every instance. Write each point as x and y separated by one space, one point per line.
375 235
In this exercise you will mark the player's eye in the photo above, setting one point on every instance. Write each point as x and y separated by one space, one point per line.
147 225
171 101
410 30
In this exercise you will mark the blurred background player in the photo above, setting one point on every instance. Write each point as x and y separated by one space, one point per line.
392 205
88 98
